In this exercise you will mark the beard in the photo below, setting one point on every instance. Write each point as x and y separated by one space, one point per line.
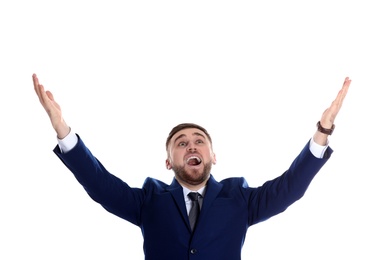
193 176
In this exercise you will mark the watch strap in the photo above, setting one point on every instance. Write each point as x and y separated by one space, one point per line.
325 130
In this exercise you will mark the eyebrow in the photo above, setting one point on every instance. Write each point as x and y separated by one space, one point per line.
183 135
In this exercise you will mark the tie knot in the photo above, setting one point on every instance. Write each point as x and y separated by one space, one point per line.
194 196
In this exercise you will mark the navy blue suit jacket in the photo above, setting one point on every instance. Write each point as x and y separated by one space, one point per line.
229 206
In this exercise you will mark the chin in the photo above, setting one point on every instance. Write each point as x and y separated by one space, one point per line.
192 175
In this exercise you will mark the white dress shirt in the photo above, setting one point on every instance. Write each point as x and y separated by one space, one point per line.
188 201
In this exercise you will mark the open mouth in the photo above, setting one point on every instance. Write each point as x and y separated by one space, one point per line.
193 161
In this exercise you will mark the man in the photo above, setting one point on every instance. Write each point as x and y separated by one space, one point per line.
176 226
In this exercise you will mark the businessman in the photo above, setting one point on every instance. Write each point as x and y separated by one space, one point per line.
195 216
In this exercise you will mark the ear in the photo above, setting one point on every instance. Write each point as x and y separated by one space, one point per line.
168 164
214 160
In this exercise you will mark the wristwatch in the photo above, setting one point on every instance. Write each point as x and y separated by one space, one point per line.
325 130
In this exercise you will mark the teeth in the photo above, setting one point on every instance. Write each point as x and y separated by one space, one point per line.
194 157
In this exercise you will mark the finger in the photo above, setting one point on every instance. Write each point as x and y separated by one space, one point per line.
50 95
346 85
36 83
39 89
43 96
342 93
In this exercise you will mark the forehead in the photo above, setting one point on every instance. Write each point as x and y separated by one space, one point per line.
188 133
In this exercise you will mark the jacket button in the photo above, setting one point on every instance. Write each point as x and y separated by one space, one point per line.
193 251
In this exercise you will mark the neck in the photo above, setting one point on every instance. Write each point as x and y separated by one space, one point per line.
191 186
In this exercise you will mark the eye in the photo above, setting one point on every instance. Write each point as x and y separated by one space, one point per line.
182 144
199 141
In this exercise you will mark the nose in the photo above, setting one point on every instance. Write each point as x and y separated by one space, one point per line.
191 148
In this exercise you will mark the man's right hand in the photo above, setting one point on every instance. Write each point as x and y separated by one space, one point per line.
52 108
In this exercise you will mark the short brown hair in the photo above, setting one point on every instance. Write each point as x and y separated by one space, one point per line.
182 126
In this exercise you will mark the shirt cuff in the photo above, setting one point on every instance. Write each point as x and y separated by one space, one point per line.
67 143
317 150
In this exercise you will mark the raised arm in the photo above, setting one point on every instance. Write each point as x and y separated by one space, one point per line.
329 115
52 108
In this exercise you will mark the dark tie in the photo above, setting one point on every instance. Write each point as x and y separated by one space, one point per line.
195 208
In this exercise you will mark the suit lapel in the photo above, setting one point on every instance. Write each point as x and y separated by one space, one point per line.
177 193
212 190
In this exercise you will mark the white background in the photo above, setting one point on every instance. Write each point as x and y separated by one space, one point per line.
257 75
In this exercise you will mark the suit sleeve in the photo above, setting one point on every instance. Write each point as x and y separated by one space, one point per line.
276 195
103 187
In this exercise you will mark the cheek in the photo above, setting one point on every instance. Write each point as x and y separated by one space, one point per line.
175 156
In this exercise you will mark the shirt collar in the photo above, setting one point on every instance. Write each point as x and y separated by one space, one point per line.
187 191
